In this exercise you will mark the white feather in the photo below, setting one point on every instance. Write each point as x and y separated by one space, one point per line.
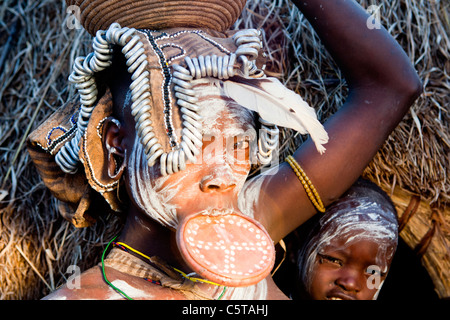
277 104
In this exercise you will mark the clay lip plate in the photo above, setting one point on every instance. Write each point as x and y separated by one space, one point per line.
229 249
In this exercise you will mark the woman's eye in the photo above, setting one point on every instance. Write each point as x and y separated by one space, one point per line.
329 259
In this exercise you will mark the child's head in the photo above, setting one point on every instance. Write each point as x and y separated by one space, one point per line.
349 252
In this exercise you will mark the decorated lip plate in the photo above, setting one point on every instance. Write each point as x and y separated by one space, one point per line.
230 249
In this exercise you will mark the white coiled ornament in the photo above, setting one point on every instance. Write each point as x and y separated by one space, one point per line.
241 62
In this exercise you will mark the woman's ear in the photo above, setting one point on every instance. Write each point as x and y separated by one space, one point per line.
114 143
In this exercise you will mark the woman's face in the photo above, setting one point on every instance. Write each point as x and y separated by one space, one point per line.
353 271
200 203
213 183
215 180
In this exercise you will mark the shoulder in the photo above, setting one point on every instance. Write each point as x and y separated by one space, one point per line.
91 285
87 286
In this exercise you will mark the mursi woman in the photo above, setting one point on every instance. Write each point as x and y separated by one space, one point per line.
173 112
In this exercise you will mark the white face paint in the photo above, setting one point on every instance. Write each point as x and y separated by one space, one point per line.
213 103
255 292
227 130
215 109
350 220
143 191
249 197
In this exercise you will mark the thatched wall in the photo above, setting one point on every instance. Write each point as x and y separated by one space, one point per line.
37 51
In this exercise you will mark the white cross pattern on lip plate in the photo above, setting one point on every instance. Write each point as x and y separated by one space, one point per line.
230 247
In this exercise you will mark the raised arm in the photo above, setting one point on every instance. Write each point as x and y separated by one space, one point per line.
382 86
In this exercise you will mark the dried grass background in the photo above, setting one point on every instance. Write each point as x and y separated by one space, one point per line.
36 53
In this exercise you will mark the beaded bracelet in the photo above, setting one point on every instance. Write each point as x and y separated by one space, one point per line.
307 184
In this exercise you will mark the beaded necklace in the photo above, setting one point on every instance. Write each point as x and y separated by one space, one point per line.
127 248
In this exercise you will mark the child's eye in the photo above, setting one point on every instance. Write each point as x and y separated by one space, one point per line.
329 259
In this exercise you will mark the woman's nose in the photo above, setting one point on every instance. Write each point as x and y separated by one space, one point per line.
218 180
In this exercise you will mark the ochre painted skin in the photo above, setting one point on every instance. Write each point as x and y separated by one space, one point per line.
94 288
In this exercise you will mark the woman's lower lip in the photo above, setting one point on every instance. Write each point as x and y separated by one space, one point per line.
210 211
339 296
218 212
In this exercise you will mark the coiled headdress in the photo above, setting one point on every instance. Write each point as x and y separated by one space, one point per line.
162 64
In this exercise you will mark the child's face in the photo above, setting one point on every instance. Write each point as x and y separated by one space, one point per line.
346 271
